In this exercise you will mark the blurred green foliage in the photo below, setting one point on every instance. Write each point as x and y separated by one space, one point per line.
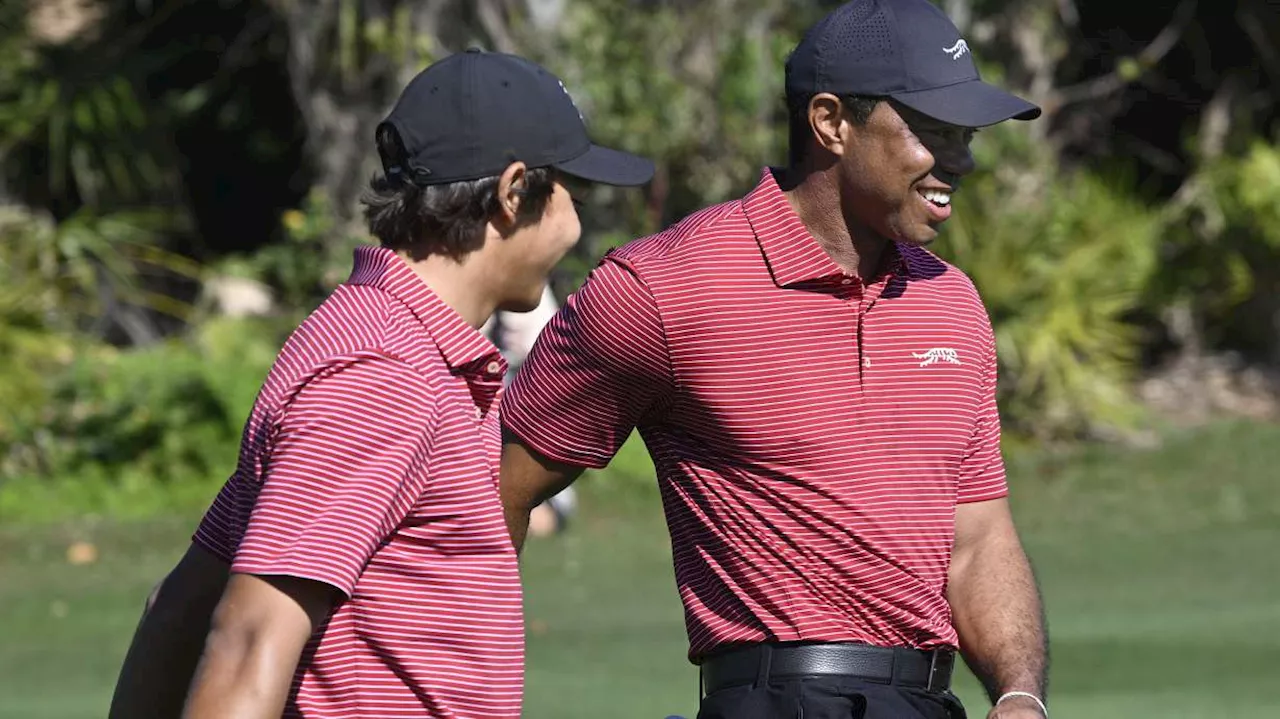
132 432
313 258
1222 248
58 283
75 125
1061 261
86 426
705 105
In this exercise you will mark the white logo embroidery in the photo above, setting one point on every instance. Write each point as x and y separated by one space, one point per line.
571 102
958 49
936 355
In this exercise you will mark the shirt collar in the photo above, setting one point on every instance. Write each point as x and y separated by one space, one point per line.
791 253
461 345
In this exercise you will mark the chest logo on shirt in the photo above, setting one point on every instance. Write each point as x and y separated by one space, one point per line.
936 355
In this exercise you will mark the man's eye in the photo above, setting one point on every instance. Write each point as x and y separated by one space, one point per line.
948 133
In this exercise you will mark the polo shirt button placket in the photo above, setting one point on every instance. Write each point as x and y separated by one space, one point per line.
865 364
852 294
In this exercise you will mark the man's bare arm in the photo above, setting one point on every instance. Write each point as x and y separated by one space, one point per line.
256 638
528 479
996 607
169 639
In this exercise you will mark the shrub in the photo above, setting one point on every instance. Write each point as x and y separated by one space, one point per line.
133 432
1221 251
1061 261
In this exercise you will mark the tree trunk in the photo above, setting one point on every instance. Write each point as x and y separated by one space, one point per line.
344 87
340 118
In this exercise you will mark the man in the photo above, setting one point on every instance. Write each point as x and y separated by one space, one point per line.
357 562
817 392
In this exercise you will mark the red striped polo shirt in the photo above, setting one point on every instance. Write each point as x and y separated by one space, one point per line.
812 435
369 463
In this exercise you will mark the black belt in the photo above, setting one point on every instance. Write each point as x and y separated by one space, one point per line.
757 664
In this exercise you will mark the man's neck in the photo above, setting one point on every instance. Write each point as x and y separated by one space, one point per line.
815 198
460 285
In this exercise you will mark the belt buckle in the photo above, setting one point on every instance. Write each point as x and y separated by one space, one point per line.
940 665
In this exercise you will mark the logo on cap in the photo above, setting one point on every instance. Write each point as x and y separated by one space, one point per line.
958 49
567 94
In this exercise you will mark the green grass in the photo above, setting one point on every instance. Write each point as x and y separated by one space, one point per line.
1161 570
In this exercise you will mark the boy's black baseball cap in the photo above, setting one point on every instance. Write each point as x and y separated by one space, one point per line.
906 50
472 114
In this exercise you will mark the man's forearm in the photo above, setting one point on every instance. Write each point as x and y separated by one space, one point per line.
998 613
526 480
255 641
517 524
160 663
241 676
169 640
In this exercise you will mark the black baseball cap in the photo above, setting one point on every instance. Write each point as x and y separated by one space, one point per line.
906 50
473 113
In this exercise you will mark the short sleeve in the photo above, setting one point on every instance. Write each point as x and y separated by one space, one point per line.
348 463
223 523
215 533
982 473
599 369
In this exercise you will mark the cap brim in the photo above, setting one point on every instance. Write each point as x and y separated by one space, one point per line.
972 103
611 167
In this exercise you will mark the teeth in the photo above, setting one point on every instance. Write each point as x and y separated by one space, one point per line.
937 197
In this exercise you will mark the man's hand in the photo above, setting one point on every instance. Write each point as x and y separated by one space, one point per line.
255 640
996 608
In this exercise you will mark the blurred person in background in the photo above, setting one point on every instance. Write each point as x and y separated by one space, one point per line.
514 334
357 562
818 394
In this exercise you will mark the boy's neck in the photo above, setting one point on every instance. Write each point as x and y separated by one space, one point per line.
462 286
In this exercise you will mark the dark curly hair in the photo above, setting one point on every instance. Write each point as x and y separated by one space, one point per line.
445 219
800 137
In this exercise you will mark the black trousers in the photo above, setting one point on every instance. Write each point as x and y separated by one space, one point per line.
829 698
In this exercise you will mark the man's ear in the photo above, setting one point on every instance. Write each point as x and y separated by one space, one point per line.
827 122
511 192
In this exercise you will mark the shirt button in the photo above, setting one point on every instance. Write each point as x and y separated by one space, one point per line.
479 413
866 362
846 281
494 368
